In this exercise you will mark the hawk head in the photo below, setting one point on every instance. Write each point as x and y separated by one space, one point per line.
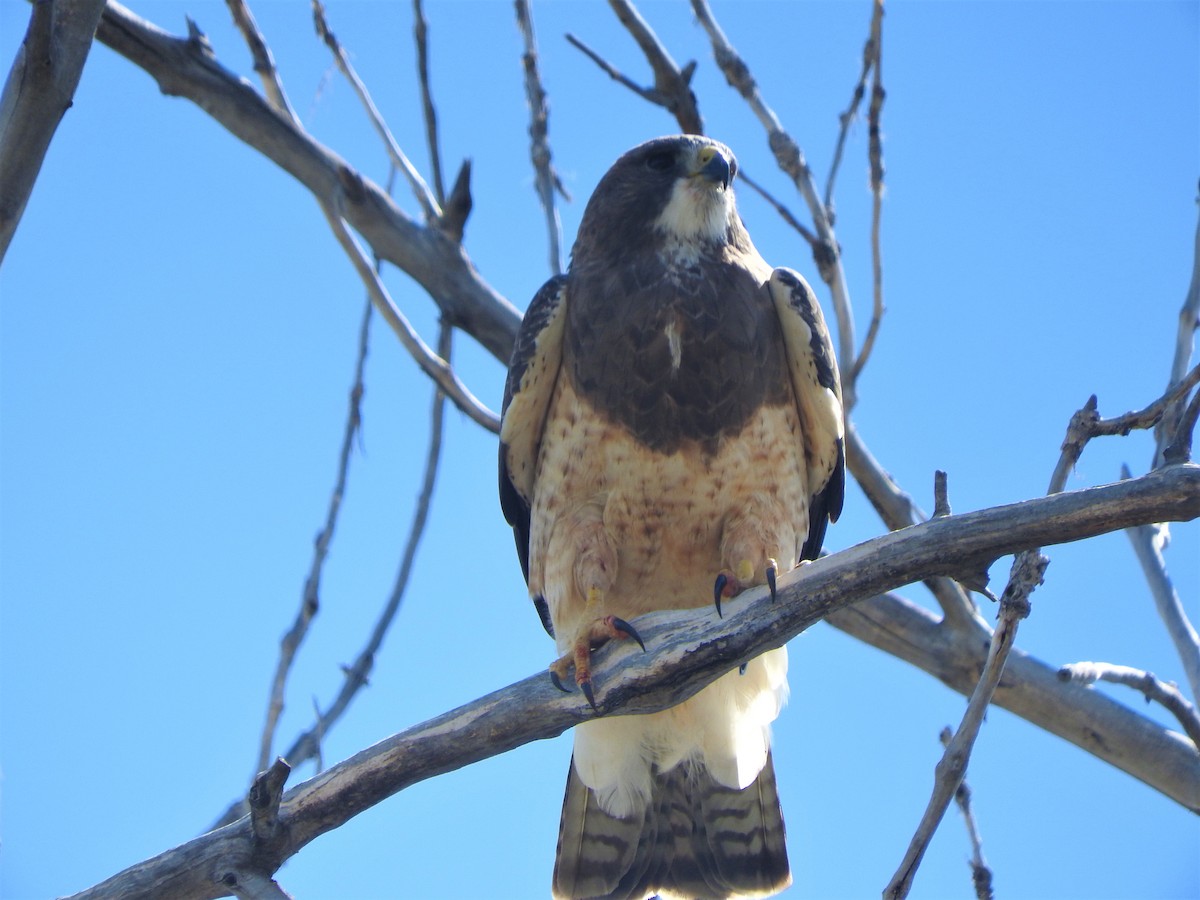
670 193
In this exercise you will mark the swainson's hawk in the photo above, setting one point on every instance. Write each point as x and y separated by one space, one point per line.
672 430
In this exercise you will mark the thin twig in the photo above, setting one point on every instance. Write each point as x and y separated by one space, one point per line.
1086 424
672 85
847 118
264 60
875 155
1185 336
1148 542
981 874
790 159
784 212
356 675
545 178
1027 571
420 189
433 365
1164 693
310 598
421 37
648 94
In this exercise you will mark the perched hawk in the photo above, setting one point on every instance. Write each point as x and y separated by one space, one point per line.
672 433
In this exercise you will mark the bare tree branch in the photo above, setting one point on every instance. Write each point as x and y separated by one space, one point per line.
981 875
1148 542
264 60
790 159
421 37
875 155
1027 572
545 178
420 189
39 91
1087 424
310 598
689 649
432 364
1185 336
185 67
1161 692
672 85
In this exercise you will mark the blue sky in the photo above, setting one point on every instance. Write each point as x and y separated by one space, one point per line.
177 338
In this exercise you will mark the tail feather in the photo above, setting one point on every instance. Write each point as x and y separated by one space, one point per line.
695 838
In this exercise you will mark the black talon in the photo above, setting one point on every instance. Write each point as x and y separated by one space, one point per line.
554 679
718 589
591 698
771 581
622 625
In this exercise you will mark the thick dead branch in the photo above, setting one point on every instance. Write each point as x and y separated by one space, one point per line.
689 649
39 91
185 67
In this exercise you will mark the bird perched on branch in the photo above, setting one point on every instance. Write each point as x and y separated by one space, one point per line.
672 434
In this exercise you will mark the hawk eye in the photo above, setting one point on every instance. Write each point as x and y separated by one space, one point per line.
661 161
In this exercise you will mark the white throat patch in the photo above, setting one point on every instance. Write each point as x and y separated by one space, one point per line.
697 211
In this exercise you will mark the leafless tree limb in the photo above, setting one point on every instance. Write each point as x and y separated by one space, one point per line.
981 874
307 746
421 37
848 117
689 649
783 211
790 159
433 365
672 85
1164 693
1027 571
875 155
1148 542
264 60
420 189
310 597
545 178
37 94
1087 424
185 67
1185 336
